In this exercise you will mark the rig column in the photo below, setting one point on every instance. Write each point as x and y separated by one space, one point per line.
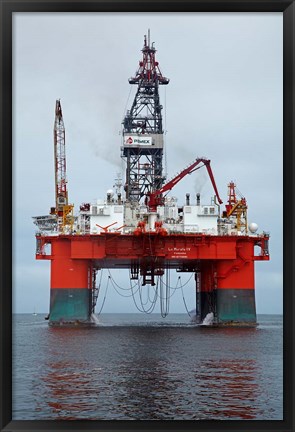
70 290
235 298
208 288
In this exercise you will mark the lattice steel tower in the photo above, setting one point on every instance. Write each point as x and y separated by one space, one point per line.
142 129
63 210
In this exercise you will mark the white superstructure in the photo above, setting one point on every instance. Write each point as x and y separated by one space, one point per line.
115 215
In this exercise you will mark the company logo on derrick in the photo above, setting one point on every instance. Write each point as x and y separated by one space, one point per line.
137 140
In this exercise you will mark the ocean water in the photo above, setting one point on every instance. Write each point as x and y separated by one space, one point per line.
144 367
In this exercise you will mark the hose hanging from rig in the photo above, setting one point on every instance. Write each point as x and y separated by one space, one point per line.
104 299
115 286
151 308
161 291
184 298
164 300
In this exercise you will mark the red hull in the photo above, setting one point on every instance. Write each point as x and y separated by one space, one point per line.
222 263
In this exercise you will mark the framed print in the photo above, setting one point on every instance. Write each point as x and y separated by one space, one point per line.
147 215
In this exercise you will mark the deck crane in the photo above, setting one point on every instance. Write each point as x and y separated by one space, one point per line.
63 210
237 208
155 198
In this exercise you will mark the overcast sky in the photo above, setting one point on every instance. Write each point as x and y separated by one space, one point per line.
224 102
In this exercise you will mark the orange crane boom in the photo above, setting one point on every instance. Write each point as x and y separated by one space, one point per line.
155 198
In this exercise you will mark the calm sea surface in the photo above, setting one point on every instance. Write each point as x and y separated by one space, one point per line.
144 367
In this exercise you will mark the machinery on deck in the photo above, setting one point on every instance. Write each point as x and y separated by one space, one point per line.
155 198
144 229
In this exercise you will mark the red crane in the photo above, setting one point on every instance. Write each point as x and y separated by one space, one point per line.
156 198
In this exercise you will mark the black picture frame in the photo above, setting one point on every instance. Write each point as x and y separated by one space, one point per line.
7 8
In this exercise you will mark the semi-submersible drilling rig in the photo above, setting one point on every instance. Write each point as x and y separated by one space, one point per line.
144 230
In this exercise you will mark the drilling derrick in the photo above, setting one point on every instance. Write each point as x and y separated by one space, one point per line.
143 130
63 211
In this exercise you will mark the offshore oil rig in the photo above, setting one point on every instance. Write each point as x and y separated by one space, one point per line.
144 230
